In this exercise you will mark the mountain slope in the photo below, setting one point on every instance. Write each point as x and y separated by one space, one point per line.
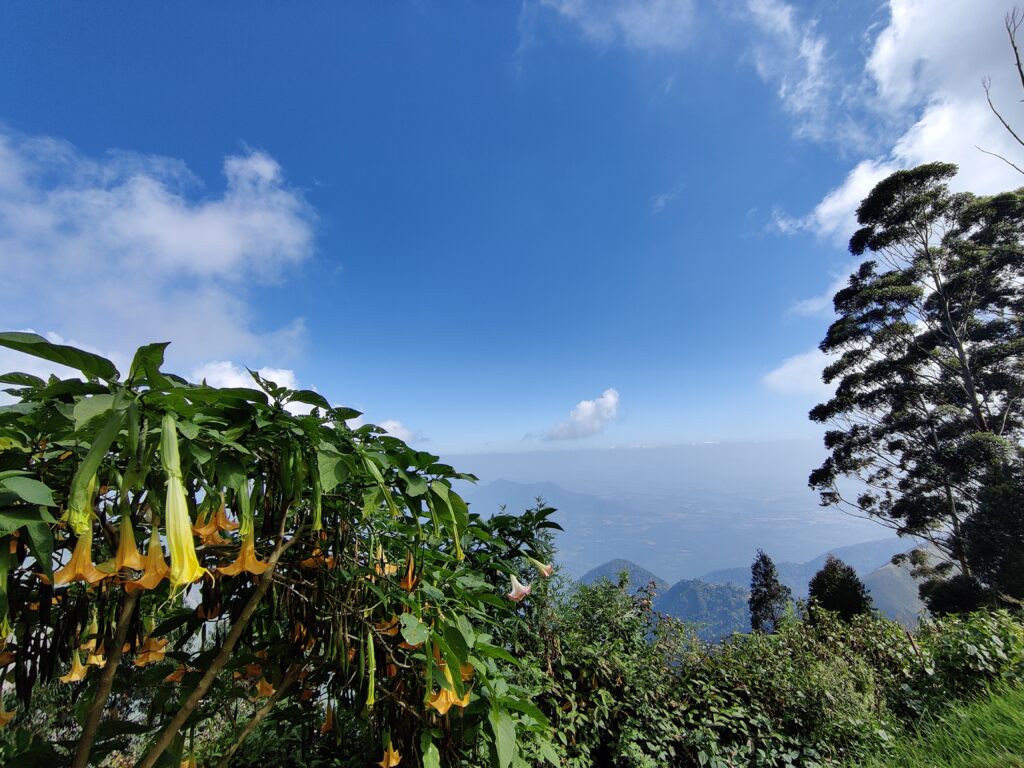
718 610
638 576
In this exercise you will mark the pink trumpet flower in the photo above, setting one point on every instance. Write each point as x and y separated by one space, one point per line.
519 591
545 571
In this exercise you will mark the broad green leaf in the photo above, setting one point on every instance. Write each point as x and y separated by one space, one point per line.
40 542
22 379
37 346
504 730
494 652
29 490
431 757
146 366
89 408
309 397
13 519
414 631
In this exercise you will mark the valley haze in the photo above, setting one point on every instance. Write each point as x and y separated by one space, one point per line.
678 510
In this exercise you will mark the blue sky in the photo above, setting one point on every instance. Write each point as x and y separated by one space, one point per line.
489 225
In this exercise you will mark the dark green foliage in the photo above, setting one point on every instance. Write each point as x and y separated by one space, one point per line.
926 348
713 610
994 536
837 588
769 599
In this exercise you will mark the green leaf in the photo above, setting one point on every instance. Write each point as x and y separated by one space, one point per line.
40 542
88 408
414 631
146 366
13 519
309 397
22 379
494 652
37 346
431 757
29 490
504 730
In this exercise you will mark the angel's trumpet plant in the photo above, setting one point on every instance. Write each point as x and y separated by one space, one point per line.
222 520
519 590
80 567
445 698
409 580
128 555
185 568
154 569
546 571
247 560
78 670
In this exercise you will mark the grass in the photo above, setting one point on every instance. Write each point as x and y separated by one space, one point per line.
987 733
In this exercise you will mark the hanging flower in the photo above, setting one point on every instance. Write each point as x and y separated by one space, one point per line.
96 659
246 561
546 571
178 674
519 591
388 626
317 560
382 566
185 568
409 581
154 569
190 762
151 651
77 672
328 724
127 555
5 717
80 567
391 757
222 520
264 689
206 527
91 634
445 698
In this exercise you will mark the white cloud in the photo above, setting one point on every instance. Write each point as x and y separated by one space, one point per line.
127 249
397 429
224 373
588 417
925 69
793 56
800 375
648 25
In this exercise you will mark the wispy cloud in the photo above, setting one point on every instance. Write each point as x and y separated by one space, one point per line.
125 249
656 26
588 417
924 72
800 375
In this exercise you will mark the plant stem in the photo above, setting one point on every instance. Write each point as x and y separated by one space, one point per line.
106 682
286 682
165 738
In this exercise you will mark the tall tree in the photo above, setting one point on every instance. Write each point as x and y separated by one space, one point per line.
927 358
836 587
769 597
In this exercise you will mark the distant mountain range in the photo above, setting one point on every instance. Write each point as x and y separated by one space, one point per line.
863 558
717 602
680 533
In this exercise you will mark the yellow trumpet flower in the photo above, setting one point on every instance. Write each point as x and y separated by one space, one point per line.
445 699
246 560
222 520
391 757
154 568
78 670
5 717
96 659
205 526
328 725
90 635
185 568
80 567
409 581
128 555
151 651
264 689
